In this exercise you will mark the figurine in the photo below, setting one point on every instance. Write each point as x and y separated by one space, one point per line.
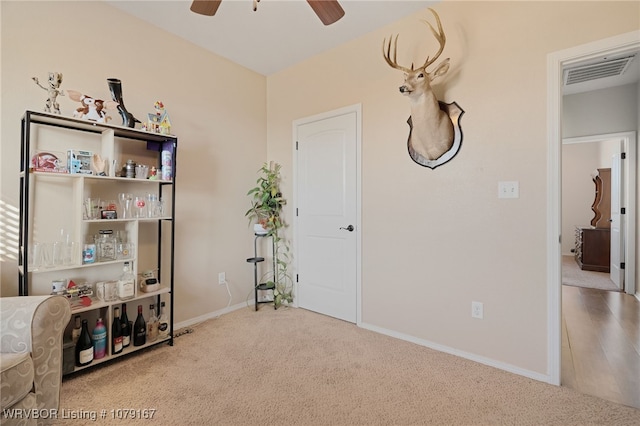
92 109
98 165
159 122
55 80
115 87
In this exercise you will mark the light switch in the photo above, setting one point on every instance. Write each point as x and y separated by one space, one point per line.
509 189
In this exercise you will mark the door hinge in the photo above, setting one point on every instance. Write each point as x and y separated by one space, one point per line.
296 145
622 265
623 155
296 211
296 277
623 210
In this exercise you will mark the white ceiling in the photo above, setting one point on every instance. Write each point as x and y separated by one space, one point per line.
282 33
279 34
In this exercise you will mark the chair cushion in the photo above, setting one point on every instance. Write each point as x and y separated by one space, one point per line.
16 377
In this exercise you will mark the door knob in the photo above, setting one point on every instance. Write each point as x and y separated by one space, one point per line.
349 228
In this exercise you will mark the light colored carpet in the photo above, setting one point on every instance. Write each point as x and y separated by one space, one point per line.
574 276
295 367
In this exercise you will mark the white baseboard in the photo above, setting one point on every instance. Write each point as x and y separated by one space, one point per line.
441 348
210 315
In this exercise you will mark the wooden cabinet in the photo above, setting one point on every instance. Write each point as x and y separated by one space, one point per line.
602 201
593 248
593 244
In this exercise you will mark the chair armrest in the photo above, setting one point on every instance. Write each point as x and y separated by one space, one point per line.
36 324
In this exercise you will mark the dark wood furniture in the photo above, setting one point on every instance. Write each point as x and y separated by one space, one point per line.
602 202
593 248
593 244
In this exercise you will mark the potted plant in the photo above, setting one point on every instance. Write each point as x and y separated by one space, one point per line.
266 209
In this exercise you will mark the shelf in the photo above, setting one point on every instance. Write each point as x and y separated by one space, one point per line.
152 237
78 266
95 177
37 117
126 351
97 304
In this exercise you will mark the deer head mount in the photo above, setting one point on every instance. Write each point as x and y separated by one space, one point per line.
434 129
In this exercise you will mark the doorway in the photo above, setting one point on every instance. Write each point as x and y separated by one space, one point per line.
556 62
327 209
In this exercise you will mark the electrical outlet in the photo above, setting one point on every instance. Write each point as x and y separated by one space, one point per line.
222 279
509 189
477 310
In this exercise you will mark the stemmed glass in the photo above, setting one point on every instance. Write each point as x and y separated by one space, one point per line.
125 199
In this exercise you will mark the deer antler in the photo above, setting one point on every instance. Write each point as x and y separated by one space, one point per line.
439 35
386 52
442 39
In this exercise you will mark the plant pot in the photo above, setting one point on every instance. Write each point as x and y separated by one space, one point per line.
259 229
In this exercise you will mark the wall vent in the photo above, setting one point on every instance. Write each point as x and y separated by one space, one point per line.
606 68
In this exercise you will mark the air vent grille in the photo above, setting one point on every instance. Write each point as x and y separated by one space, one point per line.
595 71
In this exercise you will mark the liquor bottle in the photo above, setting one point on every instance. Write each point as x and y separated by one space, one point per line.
126 328
163 323
116 332
77 329
152 324
84 347
139 329
126 283
99 340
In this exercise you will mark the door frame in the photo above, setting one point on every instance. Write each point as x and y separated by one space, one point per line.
357 108
556 62
629 190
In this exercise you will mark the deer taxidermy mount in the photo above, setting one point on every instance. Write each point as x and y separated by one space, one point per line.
329 11
435 135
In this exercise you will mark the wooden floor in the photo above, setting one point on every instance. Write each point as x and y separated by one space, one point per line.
601 344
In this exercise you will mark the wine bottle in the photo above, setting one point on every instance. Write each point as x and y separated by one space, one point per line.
77 329
84 347
163 323
116 332
152 325
139 329
99 340
126 328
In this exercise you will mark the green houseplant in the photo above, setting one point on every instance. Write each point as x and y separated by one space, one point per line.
266 209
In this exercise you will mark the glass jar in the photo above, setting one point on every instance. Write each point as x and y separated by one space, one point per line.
106 245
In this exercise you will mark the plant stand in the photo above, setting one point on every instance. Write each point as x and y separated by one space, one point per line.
256 285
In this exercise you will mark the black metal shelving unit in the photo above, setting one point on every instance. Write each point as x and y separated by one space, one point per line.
30 124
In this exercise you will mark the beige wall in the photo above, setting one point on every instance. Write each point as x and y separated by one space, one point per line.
217 110
435 240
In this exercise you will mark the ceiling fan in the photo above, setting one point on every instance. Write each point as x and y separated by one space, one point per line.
329 11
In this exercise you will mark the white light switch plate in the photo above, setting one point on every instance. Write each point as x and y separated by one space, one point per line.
509 189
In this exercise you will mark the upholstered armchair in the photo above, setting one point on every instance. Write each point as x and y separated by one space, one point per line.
31 332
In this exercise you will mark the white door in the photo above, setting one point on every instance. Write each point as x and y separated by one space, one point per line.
617 222
327 228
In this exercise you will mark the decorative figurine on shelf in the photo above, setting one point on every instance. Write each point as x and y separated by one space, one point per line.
159 122
98 165
53 90
115 87
92 109
153 173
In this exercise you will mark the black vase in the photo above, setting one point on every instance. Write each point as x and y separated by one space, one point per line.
115 87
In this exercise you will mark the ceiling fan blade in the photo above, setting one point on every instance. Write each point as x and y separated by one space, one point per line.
329 11
205 7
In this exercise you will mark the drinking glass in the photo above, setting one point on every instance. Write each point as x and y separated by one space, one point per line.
126 200
152 205
91 208
140 206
